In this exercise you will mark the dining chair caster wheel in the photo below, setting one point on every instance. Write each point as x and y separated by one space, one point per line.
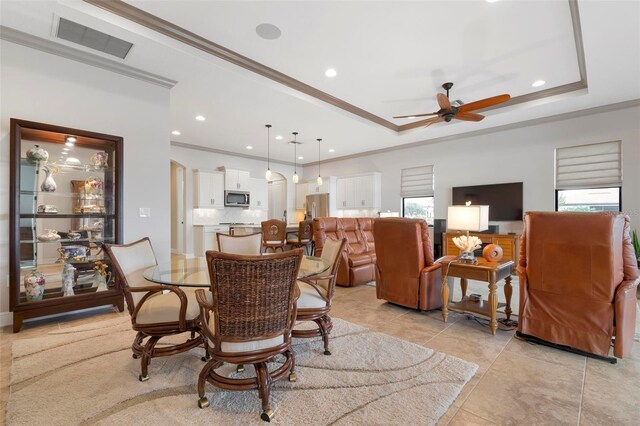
240 368
293 377
203 402
134 356
327 352
143 378
267 415
205 358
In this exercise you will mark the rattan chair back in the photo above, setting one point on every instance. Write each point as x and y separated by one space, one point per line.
253 296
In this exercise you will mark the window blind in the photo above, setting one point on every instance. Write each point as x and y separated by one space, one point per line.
597 165
417 182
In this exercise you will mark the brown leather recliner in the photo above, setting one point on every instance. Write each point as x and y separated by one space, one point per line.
578 275
406 272
358 260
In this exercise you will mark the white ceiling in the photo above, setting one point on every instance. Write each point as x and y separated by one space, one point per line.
391 59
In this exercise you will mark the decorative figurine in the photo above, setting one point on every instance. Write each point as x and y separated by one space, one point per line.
34 286
68 279
37 154
48 184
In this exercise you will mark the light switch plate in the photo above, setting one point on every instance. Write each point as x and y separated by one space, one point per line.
144 212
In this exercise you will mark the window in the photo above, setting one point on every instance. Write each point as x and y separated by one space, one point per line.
416 189
589 177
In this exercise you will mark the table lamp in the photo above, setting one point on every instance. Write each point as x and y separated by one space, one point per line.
468 218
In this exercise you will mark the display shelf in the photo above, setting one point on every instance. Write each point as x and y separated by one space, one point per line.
66 240
67 216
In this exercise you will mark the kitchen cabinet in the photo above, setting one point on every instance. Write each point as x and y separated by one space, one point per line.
236 180
204 238
302 189
259 194
359 191
76 190
327 183
209 189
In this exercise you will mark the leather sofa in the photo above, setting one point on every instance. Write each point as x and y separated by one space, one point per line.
578 277
358 259
406 273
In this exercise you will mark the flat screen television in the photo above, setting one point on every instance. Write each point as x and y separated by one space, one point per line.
504 199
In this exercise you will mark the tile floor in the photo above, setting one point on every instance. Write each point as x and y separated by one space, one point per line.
517 382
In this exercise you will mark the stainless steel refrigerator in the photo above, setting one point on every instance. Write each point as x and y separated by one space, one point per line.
317 205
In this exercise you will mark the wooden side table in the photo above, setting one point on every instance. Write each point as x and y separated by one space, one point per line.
490 272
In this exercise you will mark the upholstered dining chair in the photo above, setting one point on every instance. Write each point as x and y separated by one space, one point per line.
250 244
316 293
156 311
249 320
274 235
303 238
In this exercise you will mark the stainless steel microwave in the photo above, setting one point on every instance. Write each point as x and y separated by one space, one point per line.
236 199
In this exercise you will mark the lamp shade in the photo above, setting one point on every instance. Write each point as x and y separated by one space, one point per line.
468 218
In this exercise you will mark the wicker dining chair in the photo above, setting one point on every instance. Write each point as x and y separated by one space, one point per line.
274 235
316 293
249 320
249 244
156 311
303 236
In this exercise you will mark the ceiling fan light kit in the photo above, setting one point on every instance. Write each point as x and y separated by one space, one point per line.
459 111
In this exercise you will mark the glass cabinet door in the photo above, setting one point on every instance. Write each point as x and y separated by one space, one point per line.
65 206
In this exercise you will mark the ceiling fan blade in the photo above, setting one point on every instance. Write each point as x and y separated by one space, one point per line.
416 115
431 121
443 101
484 103
468 116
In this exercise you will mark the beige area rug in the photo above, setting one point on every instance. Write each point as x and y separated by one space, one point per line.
86 375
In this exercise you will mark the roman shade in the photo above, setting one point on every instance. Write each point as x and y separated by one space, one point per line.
417 182
597 165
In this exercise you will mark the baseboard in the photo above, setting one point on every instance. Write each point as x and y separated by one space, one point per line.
6 318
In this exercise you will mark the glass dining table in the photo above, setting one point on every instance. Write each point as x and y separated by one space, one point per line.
193 272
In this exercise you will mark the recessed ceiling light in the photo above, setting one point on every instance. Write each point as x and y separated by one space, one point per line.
200 117
249 147
538 83
301 158
330 73
176 132
268 31
491 1
279 137
332 150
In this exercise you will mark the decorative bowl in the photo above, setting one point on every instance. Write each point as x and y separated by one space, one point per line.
74 252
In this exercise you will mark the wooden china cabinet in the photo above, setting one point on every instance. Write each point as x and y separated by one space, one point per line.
65 203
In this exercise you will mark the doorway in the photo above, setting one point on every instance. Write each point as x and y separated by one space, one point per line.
178 177
278 197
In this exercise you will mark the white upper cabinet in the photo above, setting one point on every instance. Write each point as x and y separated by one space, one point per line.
236 180
314 188
359 192
302 190
259 194
209 189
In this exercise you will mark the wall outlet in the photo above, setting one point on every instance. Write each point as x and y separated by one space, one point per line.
144 212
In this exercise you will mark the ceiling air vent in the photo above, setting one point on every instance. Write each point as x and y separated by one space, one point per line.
88 37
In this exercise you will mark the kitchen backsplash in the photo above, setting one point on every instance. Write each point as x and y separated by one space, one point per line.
230 215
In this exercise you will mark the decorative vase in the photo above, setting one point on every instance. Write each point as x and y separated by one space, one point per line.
34 286
37 154
100 281
48 185
99 159
49 235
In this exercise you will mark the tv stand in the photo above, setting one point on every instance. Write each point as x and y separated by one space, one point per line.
509 243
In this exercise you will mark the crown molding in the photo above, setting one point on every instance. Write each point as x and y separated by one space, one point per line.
233 154
68 52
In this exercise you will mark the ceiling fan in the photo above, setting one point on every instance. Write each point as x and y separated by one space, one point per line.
448 112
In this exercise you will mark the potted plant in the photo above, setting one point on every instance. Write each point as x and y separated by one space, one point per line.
636 245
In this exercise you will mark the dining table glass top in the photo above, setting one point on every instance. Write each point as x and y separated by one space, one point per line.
193 272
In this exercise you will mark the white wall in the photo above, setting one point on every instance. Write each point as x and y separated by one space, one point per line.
195 159
518 155
40 87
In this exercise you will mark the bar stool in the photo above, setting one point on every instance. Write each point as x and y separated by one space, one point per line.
274 233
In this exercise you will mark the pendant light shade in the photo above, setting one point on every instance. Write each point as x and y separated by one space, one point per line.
294 178
267 175
319 180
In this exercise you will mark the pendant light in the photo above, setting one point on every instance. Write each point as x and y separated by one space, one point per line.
268 174
319 180
295 158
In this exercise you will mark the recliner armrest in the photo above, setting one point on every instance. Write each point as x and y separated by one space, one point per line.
625 317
